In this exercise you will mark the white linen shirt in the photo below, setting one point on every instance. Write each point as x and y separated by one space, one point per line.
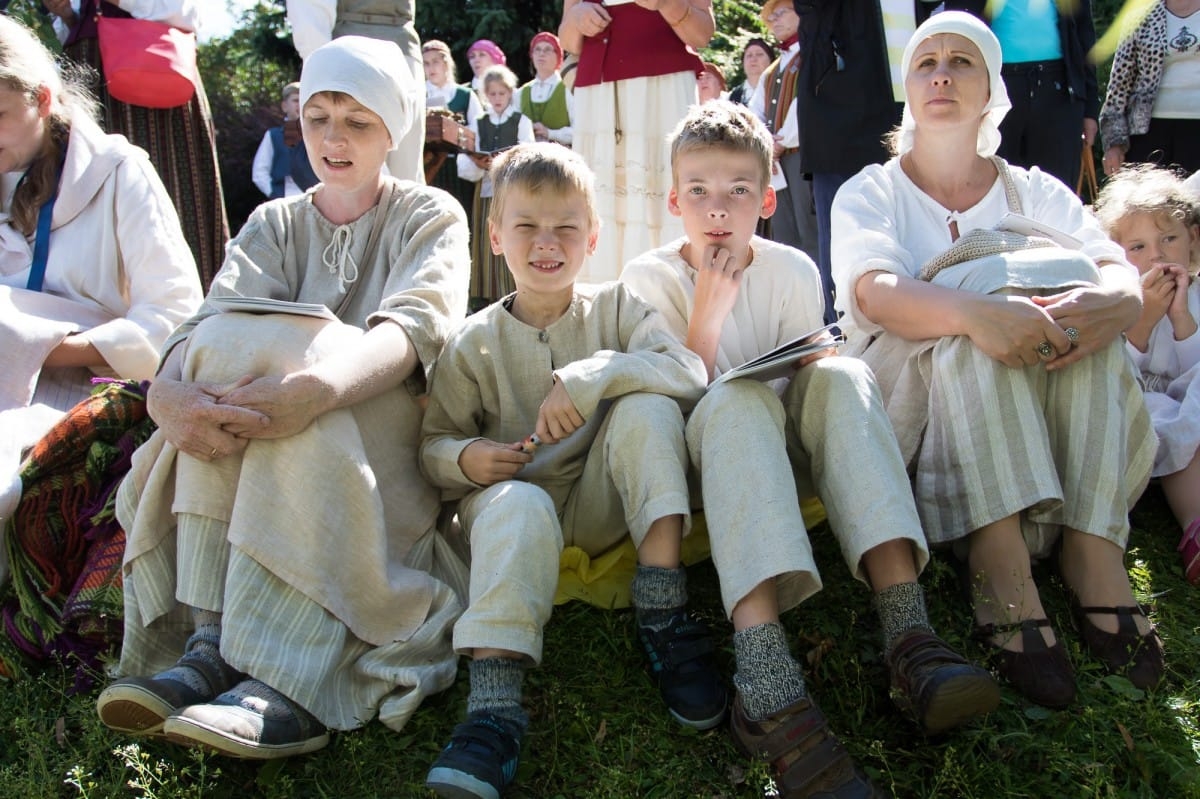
881 221
780 299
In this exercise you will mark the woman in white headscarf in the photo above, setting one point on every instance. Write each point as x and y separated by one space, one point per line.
280 535
1017 410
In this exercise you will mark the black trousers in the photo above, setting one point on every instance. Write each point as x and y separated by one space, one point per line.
1168 142
1045 126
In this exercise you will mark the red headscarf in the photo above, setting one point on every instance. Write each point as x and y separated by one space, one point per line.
552 40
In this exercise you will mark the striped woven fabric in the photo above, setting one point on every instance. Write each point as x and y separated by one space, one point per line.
64 544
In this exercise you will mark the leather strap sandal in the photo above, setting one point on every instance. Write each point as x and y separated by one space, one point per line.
1041 673
1139 657
1189 548
806 758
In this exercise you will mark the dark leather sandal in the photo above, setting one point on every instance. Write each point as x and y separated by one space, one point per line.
1139 657
1040 673
806 758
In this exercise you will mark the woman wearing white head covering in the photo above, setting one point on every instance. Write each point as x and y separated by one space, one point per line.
280 533
1018 410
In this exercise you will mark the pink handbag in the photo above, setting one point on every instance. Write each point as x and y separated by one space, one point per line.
147 63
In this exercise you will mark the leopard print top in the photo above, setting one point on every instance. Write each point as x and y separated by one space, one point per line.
1136 71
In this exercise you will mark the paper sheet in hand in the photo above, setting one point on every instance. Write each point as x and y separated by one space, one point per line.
267 305
781 361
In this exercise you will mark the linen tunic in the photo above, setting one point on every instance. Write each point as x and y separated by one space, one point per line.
612 478
1006 440
496 370
333 525
827 423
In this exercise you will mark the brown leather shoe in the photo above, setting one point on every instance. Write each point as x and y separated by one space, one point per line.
807 759
1041 673
935 686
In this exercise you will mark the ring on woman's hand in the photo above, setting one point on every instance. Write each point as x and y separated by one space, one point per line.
213 454
1072 334
1045 349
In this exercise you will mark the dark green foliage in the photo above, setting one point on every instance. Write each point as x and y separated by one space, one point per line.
243 75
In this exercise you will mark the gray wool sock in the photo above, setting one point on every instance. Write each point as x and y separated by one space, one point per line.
204 643
658 594
768 678
496 688
901 607
208 630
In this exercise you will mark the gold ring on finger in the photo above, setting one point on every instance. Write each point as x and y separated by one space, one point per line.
213 454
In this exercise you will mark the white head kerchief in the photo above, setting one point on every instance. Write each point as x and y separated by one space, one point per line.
981 36
373 72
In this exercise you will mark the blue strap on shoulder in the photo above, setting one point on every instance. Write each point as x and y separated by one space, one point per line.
41 245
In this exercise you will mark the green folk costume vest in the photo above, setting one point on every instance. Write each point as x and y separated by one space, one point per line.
552 113
460 101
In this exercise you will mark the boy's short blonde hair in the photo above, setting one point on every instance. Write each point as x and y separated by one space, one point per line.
1145 189
723 125
499 73
541 167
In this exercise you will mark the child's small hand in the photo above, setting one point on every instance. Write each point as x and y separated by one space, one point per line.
486 462
717 284
557 417
819 354
1158 290
1182 322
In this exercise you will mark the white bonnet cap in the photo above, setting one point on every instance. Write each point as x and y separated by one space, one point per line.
373 72
977 31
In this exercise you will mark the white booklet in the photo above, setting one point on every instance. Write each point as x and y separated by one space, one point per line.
781 361
1018 223
268 305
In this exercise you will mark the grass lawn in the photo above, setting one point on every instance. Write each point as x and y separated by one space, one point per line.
599 729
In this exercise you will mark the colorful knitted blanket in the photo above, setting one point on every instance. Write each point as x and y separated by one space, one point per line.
65 600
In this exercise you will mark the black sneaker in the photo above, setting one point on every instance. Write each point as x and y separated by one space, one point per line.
680 660
480 761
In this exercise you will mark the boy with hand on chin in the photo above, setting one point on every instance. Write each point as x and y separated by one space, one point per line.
731 296
601 382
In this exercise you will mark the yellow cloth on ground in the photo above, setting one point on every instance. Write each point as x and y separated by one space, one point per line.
604 581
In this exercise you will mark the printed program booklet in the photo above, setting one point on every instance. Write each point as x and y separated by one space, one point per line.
267 305
781 361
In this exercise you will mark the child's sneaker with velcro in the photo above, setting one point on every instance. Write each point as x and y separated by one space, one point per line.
679 657
480 761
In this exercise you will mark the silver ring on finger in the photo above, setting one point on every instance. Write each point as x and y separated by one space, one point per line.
1045 350
1073 335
